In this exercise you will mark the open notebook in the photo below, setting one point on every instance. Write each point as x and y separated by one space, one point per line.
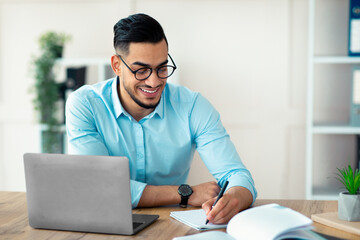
270 221
195 219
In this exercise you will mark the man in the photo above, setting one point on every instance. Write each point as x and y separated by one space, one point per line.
158 126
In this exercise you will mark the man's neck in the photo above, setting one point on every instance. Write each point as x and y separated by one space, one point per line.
132 107
139 113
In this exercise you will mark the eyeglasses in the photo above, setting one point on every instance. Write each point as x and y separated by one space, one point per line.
144 73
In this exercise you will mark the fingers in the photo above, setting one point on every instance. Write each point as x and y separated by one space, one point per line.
234 200
207 206
223 211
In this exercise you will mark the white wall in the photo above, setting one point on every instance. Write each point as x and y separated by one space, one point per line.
22 22
247 57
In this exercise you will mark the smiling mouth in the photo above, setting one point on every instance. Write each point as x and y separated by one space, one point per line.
148 91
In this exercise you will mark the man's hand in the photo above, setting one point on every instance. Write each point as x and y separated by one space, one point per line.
234 200
203 192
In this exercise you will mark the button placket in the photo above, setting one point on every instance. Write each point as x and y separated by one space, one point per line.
140 153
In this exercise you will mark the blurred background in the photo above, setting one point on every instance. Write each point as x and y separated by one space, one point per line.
249 58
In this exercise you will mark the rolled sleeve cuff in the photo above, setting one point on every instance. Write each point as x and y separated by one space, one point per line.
137 189
238 180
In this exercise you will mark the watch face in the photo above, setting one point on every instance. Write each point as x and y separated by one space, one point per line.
185 190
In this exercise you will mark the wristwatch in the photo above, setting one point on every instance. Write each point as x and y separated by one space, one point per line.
185 192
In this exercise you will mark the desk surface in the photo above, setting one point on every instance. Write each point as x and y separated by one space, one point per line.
14 222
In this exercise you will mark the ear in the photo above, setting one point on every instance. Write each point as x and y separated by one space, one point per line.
115 64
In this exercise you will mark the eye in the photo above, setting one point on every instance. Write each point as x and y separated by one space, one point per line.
163 69
143 71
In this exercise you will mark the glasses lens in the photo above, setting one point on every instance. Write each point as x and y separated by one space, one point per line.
165 71
143 73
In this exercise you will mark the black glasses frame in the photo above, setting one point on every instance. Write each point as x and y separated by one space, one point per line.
151 69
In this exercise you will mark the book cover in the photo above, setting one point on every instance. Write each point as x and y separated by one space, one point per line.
354 28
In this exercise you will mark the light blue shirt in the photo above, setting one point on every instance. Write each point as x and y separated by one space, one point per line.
160 147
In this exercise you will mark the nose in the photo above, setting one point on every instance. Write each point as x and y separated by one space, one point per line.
154 81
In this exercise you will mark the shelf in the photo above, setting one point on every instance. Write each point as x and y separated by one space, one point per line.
45 127
83 61
325 196
335 129
103 64
325 193
327 50
336 59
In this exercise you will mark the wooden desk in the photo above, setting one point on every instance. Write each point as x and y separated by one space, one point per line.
14 222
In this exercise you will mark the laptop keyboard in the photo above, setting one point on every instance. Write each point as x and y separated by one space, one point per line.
136 224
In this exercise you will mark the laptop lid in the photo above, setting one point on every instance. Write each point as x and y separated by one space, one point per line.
80 193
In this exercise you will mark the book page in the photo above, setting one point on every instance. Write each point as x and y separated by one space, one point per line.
356 87
266 222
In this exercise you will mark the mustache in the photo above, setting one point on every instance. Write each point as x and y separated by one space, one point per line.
148 86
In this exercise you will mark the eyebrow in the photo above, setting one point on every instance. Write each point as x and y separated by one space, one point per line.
147 65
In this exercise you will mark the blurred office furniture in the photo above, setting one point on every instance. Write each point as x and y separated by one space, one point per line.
74 73
330 138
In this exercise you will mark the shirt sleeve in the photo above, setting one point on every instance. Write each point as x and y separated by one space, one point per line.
84 139
215 147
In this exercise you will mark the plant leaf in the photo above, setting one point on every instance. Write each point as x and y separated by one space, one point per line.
349 178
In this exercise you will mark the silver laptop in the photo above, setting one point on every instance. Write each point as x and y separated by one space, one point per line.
81 193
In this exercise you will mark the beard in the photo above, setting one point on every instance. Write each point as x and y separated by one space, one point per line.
137 101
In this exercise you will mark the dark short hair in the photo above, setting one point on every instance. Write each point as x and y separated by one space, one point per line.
137 28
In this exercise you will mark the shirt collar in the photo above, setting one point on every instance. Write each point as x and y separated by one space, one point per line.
116 99
118 108
159 110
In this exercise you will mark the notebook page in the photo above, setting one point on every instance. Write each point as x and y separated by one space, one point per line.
195 219
210 235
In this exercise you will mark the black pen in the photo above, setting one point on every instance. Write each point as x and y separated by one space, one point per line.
219 196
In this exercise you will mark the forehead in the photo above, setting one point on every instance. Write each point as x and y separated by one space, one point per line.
148 52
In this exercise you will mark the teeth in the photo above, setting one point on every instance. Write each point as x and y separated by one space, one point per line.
147 91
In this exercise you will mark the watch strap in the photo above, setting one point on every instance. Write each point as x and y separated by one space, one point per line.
184 201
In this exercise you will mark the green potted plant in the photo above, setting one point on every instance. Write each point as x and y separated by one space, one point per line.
349 201
47 89
53 42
